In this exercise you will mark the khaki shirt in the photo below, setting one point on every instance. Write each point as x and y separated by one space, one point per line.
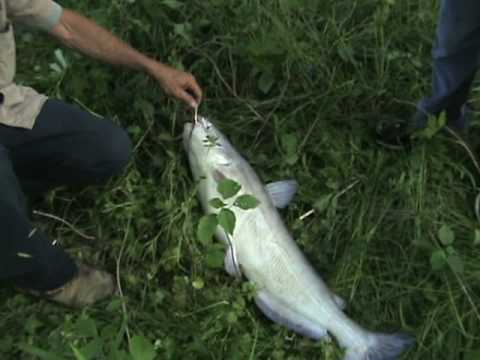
20 105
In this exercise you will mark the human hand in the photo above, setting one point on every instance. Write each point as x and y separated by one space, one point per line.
177 83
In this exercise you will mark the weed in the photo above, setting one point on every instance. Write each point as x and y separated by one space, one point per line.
298 87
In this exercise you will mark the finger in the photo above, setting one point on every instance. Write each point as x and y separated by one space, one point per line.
196 89
186 98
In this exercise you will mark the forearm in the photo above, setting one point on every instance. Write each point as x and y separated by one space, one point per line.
84 35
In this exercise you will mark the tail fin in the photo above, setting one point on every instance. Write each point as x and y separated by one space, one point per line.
382 347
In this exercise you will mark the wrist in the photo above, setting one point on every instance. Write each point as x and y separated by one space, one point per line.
153 67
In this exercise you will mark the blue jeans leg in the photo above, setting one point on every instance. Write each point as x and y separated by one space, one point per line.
456 58
67 146
27 256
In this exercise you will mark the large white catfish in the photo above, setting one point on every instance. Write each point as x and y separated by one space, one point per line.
289 291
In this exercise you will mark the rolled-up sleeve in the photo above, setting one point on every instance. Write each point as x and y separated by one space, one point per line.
43 14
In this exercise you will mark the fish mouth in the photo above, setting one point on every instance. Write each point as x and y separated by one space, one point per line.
202 122
189 127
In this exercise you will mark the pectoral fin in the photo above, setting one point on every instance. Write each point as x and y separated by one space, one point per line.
282 192
280 313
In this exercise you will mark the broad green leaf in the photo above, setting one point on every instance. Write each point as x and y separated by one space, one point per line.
93 350
184 30
216 203
232 317
456 263
246 202
206 228
86 327
292 159
226 219
290 143
228 188
214 258
114 305
438 259
135 130
142 348
266 81
32 324
446 235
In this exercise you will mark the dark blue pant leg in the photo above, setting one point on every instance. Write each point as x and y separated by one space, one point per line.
27 256
456 56
67 146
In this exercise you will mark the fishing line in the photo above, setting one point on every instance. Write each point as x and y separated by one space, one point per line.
195 121
195 116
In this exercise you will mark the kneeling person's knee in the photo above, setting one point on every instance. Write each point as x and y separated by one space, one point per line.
117 150
112 149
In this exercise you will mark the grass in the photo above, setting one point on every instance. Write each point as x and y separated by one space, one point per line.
298 86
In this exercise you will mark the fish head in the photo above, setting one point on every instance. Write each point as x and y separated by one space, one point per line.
207 147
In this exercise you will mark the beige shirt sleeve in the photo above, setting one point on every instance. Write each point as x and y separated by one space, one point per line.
43 14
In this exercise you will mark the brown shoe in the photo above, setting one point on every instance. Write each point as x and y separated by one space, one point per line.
87 287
